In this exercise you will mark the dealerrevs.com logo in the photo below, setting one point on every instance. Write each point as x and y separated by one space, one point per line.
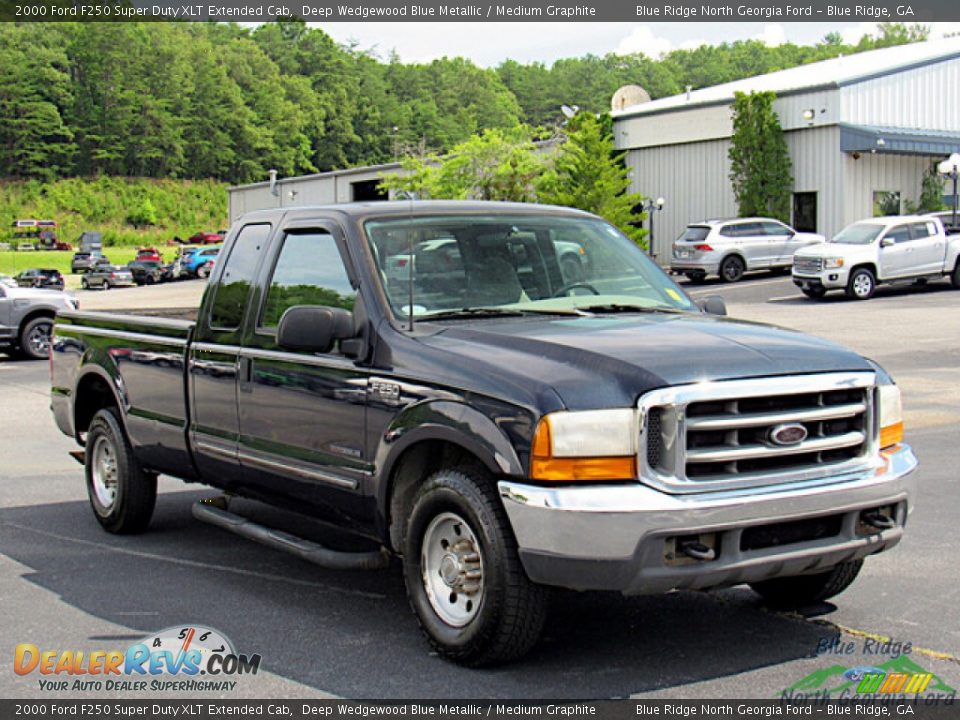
189 658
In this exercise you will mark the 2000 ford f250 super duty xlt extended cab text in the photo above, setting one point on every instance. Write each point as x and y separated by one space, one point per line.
529 429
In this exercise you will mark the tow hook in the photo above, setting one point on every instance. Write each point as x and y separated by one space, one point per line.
697 550
878 520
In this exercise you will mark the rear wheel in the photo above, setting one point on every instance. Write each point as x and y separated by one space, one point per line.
732 269
35 338
121 493
803 590
84 283
106 284
814 292
955 276
464 579
862 284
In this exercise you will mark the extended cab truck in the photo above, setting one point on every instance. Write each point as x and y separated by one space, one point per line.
498 426
899 249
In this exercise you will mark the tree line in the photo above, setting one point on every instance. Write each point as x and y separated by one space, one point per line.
223 101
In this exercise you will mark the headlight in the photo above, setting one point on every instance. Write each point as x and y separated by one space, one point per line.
833 262
585 445
891 415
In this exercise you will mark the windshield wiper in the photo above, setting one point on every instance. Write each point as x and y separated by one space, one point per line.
622 308
480 312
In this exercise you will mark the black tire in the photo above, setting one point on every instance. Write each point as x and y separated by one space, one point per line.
150 280
134 490
34 341
732 269
697 278
510 611
84 283
805 590
815 293
955 276
106 285
862 284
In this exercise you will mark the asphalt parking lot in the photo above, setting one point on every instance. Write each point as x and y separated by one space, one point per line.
66 584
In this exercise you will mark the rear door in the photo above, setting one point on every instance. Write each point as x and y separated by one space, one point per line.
302 414
215 356
929 247
898 260
751 242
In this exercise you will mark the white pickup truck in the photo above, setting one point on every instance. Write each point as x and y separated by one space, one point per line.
897 249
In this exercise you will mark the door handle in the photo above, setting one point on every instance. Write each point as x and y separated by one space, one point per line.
245 373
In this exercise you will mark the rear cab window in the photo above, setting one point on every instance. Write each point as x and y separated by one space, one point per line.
695 233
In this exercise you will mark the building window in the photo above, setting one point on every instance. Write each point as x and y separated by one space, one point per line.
886 202
805 211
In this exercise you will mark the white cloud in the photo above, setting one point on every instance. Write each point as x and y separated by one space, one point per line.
772 35
851 35
643 40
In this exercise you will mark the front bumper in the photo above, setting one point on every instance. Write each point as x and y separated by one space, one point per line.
705 264
830 279
614 537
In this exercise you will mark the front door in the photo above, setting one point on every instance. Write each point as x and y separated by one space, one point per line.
302 414
214 360
898 260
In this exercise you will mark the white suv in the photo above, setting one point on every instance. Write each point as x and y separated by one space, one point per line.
729 248
880 250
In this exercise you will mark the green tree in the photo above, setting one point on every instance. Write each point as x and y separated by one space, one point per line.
931 193
760 166
589 174
143 215
497 165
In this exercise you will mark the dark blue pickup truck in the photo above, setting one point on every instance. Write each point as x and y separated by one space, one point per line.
508 397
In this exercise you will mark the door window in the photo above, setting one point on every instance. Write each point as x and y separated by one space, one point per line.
231 294
775 229
899 234
922 230
309 271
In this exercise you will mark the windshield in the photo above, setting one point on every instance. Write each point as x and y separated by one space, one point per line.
858 234
523 263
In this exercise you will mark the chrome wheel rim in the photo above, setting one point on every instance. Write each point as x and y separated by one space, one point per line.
452 569
38 340
104 471
862 285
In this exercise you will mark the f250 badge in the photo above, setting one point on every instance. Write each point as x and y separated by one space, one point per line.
385 392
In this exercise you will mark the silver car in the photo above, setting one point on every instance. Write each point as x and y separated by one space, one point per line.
26 318
729 248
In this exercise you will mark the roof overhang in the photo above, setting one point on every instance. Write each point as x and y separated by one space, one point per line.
898 141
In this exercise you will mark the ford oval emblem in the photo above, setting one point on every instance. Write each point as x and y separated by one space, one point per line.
787 434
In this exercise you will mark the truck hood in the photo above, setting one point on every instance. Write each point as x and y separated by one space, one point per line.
609 361
38 295
830 249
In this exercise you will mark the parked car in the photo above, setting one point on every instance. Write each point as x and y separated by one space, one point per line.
106 276
149 253
729 248
8 281
199 263
84 259
90 241
41 278
205 238
146 272
26 318
500 434
897 249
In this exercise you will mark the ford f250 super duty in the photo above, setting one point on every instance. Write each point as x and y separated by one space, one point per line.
498 425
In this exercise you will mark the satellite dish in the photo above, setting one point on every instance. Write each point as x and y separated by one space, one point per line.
628 96
569 110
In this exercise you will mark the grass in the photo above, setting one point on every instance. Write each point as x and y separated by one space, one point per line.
112 205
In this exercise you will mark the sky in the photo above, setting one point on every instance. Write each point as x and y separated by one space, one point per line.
489 44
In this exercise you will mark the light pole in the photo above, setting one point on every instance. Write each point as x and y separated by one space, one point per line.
951 168
652 206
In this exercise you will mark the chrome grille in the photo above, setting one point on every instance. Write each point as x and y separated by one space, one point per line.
807 264
728 435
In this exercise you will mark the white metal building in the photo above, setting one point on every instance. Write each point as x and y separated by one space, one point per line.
861 131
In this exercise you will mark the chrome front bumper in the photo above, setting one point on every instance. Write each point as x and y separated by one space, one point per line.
613 537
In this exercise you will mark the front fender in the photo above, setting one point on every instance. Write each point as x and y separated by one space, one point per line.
477 432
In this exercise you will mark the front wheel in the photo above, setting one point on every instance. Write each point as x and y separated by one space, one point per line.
35 338
106 284
805 590
732 269
464 579
121 493
862 284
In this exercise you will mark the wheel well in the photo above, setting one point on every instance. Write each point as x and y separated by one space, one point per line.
869 266
415 464
733 254
29 317
93 394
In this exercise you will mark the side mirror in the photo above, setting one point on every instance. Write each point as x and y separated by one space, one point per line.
713 305
314 328
887 242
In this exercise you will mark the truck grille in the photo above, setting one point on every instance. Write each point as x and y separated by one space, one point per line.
807 264
746 433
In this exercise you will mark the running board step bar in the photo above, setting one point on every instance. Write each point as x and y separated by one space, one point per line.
208 511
